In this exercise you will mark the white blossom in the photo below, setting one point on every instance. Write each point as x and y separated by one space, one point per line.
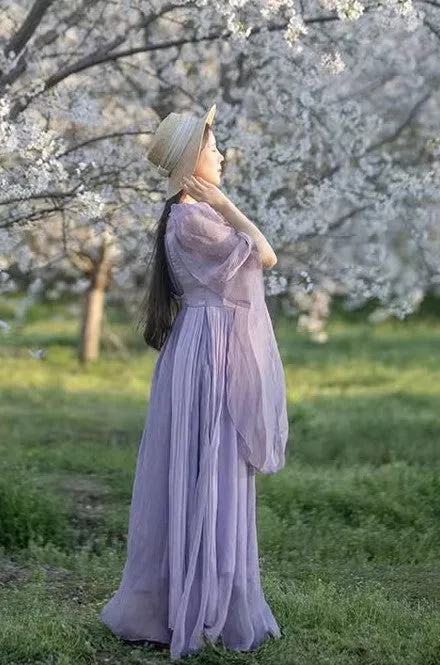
308 117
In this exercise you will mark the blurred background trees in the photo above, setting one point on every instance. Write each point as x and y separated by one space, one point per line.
327 116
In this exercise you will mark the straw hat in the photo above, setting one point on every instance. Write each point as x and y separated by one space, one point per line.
176 144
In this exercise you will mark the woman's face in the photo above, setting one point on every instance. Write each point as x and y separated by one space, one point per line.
210 159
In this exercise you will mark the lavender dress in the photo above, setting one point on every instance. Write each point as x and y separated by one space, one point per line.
217 413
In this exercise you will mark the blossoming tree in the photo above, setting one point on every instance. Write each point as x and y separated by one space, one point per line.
326 115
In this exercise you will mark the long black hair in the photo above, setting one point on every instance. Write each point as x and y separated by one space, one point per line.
159 307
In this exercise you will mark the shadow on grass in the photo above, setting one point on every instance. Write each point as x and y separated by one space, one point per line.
361 344
335 429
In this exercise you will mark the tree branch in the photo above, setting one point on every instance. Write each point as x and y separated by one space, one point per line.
81 261
411 115
30 217
432 28
30 24
102 55
94 139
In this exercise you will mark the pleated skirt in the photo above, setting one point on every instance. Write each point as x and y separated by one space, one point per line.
192 567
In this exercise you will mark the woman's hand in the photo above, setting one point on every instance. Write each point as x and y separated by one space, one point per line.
202 190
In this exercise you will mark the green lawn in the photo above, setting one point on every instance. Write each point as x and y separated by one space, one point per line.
349 531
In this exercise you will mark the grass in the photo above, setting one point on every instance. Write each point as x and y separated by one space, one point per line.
349 536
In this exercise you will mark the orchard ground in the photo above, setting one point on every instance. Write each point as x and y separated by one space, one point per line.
349 534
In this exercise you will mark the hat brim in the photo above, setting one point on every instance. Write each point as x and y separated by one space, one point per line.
188 161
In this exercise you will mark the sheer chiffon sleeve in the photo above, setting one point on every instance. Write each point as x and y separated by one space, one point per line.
211 250
256 390
228 262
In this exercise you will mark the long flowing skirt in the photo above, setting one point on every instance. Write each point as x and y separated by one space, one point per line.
192 566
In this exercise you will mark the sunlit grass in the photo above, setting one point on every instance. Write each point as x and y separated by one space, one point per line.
349 533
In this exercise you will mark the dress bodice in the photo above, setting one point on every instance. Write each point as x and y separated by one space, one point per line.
206 254
213 264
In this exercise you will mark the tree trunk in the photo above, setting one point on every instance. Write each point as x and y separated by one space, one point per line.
93 308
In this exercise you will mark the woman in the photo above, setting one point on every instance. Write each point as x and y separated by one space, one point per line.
217 413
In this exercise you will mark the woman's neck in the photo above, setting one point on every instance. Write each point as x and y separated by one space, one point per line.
186 198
